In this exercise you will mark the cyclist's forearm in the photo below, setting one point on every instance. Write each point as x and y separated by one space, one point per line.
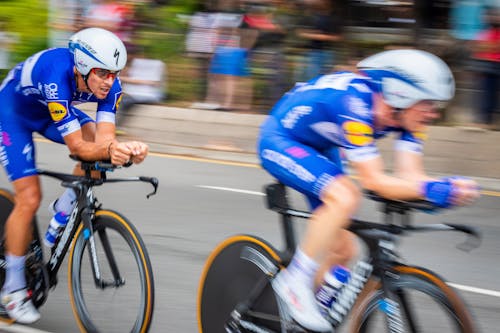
393 187
91 150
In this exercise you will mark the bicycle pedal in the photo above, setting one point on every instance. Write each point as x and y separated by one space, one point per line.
288 322
286 319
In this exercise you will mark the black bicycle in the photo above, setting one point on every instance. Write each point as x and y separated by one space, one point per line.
383 294
110 277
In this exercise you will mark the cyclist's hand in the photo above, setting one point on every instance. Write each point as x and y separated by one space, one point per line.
438 192
138 151
119 153
466 190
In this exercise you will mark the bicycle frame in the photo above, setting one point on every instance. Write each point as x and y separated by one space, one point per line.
84 213
382 259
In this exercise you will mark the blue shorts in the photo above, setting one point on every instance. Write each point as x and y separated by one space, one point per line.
230 61
299 166
18 121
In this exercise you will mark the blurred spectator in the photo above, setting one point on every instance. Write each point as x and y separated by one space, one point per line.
467 19
201 40
320 29
486 55
229 84
267 55
143 82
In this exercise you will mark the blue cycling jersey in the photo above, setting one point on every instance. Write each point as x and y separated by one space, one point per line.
301 141
40 95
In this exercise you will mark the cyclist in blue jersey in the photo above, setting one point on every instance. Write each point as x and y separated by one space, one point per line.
315 124
40 95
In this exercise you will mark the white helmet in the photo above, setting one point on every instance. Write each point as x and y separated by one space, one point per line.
97 48
409 76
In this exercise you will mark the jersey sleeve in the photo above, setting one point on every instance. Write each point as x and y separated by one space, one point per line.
107 108
410 142
58 96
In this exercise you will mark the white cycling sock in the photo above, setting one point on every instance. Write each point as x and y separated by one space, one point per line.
14 274
66 201
302 266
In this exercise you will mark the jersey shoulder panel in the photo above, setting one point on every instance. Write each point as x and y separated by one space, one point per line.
50 72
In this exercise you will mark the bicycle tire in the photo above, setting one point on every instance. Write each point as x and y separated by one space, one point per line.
227 279
93 315
443 311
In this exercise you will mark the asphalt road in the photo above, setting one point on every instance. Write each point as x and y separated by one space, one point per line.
199 203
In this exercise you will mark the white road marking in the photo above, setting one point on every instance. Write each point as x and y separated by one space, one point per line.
475 290
16 328
231 190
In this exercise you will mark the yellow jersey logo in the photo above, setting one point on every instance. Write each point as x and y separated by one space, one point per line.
57 111
117 104
357 133
422 136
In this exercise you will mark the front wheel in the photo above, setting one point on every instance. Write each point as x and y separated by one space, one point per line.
424 301
123 299
235 278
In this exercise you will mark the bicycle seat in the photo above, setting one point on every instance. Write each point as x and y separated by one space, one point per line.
276 197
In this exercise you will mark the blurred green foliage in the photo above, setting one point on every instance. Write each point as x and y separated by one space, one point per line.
27 21
160 34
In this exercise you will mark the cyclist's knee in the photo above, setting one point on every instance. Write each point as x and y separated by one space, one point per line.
342 192
28 198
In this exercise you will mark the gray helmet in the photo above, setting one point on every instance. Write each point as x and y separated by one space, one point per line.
97 48
409 76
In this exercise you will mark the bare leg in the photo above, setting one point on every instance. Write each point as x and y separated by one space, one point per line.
18 234
295 285
341 252
340 200
18 228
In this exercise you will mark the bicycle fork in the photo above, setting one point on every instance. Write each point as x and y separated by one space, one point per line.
394 300
88 215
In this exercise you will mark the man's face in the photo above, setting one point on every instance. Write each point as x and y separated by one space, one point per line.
100 81
417 117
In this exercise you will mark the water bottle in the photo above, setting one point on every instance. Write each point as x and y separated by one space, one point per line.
56 225
333 282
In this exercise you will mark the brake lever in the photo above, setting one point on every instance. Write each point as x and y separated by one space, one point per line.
153 181
473 240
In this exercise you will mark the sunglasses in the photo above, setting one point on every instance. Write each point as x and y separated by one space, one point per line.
104 74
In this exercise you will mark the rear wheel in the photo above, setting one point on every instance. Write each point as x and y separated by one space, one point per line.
235 270
125 302
426 303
